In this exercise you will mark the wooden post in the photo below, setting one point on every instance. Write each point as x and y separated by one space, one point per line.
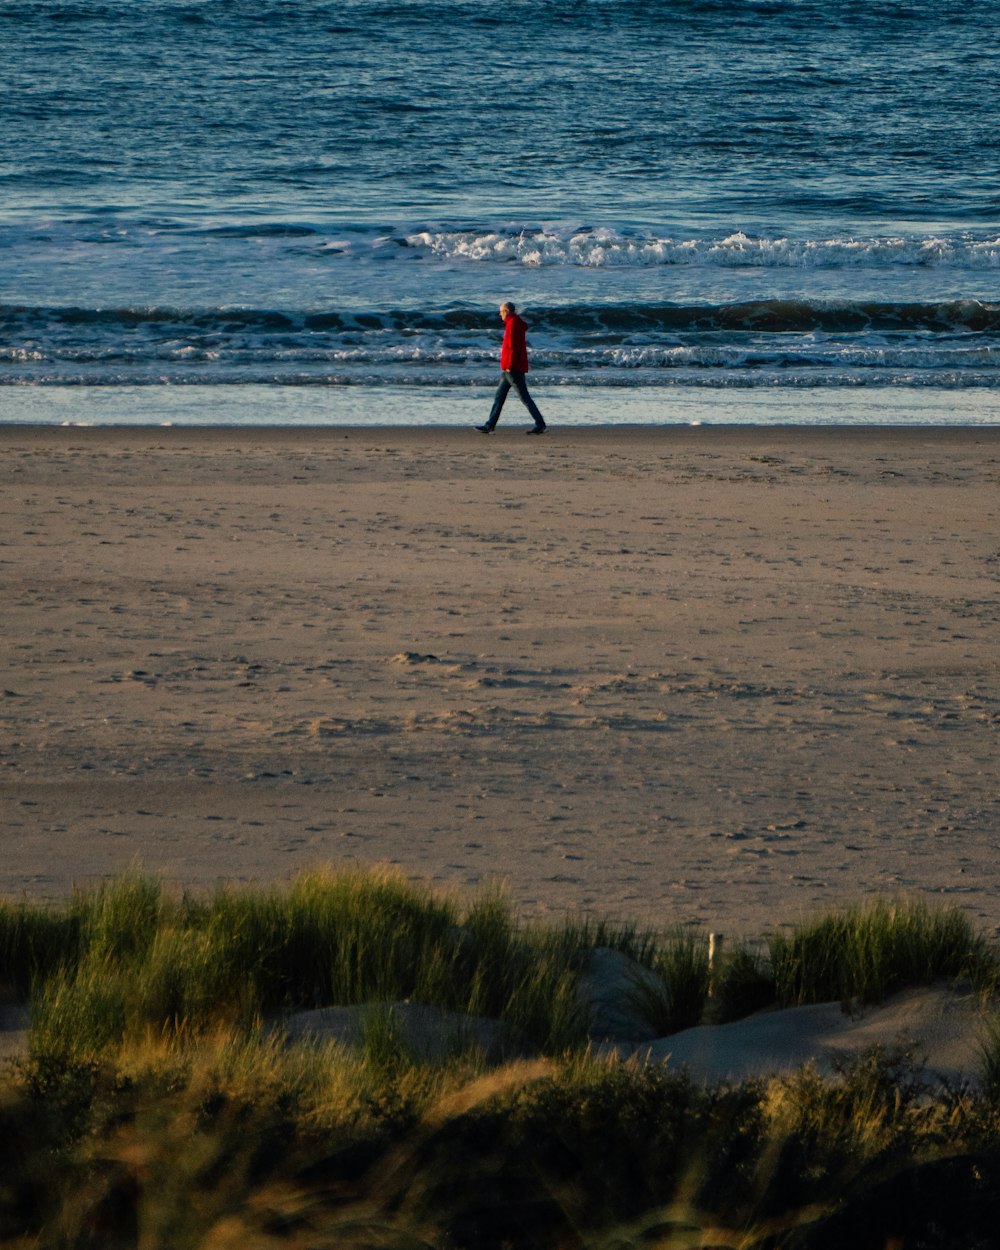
715 942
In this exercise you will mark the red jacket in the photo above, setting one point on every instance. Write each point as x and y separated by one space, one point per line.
514 353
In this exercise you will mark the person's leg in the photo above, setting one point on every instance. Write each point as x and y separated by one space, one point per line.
498 399
520 382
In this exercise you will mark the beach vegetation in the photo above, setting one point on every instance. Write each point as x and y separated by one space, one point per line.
132 957
237 1140
161 1101
864 953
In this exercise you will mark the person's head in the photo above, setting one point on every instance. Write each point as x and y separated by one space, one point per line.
507 309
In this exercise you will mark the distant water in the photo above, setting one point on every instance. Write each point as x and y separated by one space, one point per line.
330 199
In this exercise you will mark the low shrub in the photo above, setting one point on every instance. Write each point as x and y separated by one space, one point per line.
233 1142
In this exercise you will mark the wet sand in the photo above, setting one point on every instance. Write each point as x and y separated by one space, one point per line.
720 675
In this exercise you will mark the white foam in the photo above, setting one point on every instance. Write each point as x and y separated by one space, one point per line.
610 248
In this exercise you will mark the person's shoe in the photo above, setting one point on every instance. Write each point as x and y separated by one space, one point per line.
538 429
485 429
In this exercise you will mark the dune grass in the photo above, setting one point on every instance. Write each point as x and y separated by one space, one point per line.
131 957
156 1106
865 953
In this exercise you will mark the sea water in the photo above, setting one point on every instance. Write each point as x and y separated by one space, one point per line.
302 211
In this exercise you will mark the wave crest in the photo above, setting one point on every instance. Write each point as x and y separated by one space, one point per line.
598 248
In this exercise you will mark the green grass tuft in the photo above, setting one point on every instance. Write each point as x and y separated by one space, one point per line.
867 952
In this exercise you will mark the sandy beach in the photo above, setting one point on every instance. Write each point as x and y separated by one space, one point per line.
721 676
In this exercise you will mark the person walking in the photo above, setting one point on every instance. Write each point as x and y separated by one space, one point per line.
513 367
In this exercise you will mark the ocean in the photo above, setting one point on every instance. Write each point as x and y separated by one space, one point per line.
258 211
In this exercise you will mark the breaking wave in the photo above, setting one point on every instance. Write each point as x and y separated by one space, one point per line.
610 248
784 342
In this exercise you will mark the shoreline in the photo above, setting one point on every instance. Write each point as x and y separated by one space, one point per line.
462 407
717 675
513 425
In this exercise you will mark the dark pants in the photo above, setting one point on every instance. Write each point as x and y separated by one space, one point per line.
514 378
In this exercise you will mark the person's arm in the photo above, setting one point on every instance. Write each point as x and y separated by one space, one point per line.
507 350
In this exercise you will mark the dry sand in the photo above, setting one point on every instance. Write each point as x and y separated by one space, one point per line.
940 1030
728 676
